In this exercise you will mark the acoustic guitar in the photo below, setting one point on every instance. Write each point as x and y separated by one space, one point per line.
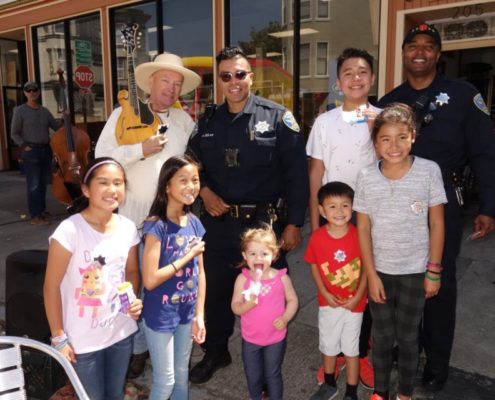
136 122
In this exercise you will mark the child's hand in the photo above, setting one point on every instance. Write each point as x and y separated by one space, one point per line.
371 118
198 330
350 303
68 352
431 287
332 300
197 248
280 323
253 300
376 290
135 309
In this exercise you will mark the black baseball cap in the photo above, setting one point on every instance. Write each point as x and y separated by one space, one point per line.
31 85
423 29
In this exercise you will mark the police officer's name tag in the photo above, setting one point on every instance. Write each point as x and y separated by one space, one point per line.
290 121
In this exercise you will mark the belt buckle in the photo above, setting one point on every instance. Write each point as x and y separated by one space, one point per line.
234 211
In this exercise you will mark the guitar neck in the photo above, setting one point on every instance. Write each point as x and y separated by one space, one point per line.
133 96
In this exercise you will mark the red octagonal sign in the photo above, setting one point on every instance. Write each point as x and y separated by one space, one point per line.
84 76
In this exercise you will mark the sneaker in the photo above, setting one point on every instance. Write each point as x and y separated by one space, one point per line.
325 392
375 396
39 221
320 374
366 373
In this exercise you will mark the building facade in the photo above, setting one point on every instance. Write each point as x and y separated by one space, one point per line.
82 53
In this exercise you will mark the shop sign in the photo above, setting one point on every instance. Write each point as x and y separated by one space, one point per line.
83 52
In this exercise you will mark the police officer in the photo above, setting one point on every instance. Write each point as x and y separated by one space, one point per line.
454 127
254 170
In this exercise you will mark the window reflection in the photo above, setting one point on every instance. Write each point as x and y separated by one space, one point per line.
260 28
129 55
51 52
87 69
86 63
187 32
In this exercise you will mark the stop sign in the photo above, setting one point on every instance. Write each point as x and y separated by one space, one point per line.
84 77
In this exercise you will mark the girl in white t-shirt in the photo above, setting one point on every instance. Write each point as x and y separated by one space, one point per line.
91 277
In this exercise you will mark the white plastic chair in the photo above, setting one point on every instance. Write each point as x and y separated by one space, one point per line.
12 379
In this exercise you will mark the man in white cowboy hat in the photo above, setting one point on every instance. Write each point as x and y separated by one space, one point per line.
164 79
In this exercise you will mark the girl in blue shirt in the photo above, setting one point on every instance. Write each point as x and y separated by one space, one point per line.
173 278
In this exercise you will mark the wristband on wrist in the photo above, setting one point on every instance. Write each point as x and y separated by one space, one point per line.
434 272
432 278
58 339
434 266
174 267
61 345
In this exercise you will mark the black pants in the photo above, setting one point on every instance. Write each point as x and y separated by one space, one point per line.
222 259
439 314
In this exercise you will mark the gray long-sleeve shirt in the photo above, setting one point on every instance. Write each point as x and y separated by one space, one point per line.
30 125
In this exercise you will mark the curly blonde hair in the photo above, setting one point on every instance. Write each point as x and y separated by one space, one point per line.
264 235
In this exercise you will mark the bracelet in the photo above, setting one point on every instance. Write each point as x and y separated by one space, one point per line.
174 267
434 272
61 345
434 266
58 339
431 278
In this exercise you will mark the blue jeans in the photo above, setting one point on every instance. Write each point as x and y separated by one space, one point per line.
37 162
169 352
263 364
102 372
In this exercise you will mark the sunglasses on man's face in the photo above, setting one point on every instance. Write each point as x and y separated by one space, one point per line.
239 75
30 90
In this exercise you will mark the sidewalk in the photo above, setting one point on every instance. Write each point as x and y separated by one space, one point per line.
472 374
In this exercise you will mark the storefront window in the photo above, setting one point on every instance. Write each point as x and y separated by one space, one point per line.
188 32
350 25
136 39
87 69
258 28
84 69
52 66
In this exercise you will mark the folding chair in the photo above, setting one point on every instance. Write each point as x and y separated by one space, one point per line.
12 374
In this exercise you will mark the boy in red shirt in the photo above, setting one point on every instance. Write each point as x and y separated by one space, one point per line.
335 258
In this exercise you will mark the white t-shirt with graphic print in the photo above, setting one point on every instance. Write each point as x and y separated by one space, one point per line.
91 306
343 147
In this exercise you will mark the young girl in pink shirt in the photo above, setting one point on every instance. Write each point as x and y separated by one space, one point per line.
266 301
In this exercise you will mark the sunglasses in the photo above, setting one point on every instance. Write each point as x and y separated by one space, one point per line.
30 90
239 75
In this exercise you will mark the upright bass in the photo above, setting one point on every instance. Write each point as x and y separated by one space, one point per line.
70 147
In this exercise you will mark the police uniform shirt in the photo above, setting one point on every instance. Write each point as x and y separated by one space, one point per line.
456 128
255 156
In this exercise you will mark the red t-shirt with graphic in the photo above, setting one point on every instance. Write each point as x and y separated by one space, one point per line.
339 263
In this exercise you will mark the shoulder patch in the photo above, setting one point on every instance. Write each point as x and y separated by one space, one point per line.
480 103
290 121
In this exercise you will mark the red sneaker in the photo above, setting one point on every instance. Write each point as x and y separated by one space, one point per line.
320 375
366 374
375 396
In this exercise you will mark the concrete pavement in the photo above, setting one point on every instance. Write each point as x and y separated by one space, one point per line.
472 374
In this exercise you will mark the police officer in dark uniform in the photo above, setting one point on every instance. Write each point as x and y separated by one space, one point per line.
254 170
454 128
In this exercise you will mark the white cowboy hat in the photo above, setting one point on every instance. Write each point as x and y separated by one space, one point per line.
169 62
